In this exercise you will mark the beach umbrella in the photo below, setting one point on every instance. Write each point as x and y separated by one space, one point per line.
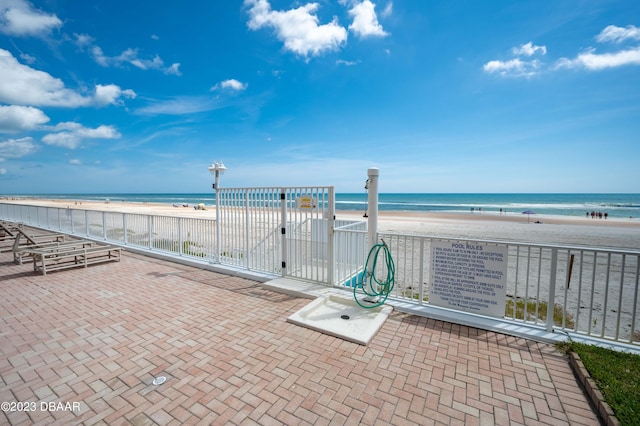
528 213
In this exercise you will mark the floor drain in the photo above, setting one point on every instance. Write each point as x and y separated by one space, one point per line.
159 380
344 317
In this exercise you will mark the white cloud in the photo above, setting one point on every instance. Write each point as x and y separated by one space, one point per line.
588 59
529 49
174 69
513 68
15 118
231 84
365 21
593 61
70 135
103 132
298 29
347 63
27 58
111 94
180 106
99 56
618 34
19 18
517 67
16 148
3 171
387 11
83 40
63 139
128 56
23 85
131 56
75 161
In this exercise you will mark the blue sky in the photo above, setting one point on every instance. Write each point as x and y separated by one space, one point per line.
452 96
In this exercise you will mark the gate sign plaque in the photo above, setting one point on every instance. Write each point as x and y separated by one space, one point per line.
468 276
305 202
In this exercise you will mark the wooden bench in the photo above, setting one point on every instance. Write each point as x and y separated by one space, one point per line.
8 230
30 240
21 251
51 259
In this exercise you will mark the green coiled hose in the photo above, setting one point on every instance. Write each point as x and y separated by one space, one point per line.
372 286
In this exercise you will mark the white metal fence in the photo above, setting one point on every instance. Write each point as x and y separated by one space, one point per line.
281 231
288 231
588 291
292 232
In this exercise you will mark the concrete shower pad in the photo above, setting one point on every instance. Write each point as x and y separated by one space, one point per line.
342 317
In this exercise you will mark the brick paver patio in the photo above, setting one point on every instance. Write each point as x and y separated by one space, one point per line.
82 346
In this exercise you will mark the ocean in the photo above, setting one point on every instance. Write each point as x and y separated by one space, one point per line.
615 205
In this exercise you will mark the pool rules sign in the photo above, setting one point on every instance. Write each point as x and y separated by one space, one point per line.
469 277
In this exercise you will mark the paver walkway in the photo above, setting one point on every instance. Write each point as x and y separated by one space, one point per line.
82 346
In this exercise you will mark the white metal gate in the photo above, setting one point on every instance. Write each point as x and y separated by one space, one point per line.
288 231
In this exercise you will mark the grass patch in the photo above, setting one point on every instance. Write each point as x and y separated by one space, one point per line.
528 312
617 375
535 310
409 293
117 234
189 248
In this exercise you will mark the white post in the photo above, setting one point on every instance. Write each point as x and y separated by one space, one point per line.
149 230
283 230
124 227
552 290
372 227
180 238
215 188
331 222
372 206
217 168
247 230
104 226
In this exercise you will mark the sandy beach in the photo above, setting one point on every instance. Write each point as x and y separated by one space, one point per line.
544 229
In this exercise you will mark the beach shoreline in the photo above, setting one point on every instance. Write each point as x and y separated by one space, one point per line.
383 215
486 225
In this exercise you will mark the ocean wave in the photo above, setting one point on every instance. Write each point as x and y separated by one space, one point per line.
616 205
496 206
